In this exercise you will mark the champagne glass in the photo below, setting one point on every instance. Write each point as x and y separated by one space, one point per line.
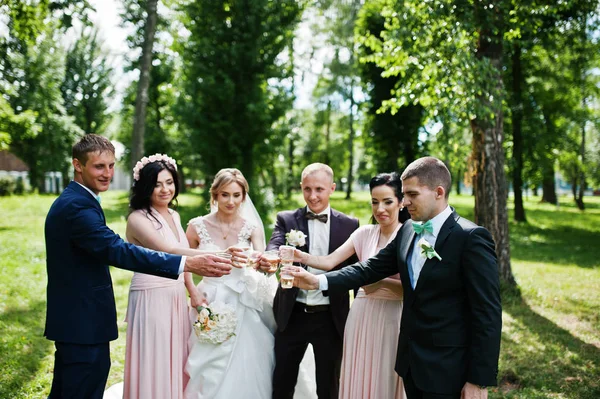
253 257
286 252
273 258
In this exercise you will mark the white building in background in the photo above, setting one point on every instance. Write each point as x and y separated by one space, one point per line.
11 165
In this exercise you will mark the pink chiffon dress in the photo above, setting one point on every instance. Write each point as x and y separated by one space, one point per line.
158 329
371 334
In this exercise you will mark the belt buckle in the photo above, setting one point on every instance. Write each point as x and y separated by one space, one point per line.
307 310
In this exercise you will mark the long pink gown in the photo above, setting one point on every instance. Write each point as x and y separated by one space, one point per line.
371 334
158 329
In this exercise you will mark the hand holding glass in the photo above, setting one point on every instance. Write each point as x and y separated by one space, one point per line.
273 258
286 252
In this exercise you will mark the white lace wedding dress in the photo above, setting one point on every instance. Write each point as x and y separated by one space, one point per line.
242 366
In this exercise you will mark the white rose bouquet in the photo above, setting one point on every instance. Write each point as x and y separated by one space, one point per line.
216 323
295 238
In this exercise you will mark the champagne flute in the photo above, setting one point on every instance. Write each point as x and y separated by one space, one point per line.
273 258
286 252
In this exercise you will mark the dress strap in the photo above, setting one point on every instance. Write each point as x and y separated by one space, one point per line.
198 223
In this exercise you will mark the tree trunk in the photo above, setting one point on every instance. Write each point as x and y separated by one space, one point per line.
141 101
489 180
350 177
290 179
547 165
579 198
517 120
327 132
548 181
458 180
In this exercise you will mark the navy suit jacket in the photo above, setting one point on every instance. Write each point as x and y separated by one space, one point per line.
340 229
451 322
79 247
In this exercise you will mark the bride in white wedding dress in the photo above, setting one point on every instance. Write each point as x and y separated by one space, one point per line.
242 366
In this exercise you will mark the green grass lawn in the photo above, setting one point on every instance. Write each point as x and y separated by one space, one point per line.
551 331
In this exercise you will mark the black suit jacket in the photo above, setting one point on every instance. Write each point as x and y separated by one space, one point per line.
451 322
79 247
340 230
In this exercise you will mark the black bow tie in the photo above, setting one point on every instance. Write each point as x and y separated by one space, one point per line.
321 218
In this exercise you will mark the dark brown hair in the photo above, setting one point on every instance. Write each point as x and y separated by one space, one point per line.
431 172
91 143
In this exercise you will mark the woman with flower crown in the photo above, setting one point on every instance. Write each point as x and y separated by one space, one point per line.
158 325
241 366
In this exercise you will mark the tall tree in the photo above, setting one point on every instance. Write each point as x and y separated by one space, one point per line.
392 137
32 65
339 81
234 79
87 86
145 65
460 77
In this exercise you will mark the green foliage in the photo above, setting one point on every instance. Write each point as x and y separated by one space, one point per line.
87 87
391 138
550 328
36 76
8 185
234 81
33 121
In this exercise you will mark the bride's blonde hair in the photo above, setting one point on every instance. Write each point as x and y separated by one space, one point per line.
227 176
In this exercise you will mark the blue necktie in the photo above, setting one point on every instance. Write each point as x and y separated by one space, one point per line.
421 227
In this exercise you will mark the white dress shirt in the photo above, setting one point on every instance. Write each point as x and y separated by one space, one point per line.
417 261
318 245
97 198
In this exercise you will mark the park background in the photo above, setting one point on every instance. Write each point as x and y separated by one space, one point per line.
505 93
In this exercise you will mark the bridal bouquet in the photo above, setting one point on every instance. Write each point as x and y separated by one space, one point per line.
216 323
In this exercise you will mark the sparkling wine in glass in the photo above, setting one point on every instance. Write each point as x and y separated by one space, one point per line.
286 252
286 280
273 258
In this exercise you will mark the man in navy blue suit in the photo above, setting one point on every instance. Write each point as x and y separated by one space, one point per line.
81 314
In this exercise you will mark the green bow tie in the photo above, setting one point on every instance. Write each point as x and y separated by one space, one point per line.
421 227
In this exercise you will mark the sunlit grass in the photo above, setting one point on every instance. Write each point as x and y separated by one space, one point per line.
551 332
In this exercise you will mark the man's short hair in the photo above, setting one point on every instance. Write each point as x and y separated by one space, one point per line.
91 143
431 172
317 167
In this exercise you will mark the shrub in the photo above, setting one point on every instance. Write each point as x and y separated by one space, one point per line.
7 185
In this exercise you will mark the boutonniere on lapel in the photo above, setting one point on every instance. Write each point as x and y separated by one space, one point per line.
295 238
427 250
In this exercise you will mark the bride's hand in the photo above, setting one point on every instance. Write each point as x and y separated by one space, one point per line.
238 255
198 299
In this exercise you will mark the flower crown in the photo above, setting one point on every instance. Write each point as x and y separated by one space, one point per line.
152 158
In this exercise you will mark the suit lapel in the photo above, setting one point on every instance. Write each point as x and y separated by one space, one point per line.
302 224
406 241
333 229
445 231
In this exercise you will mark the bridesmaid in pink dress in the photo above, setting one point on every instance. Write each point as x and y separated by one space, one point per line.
373 325
158 324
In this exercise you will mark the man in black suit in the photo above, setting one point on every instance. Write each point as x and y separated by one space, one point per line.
81 315
449 339
302 316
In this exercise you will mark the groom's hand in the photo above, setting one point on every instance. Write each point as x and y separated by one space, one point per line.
302 279
471 391
208 265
